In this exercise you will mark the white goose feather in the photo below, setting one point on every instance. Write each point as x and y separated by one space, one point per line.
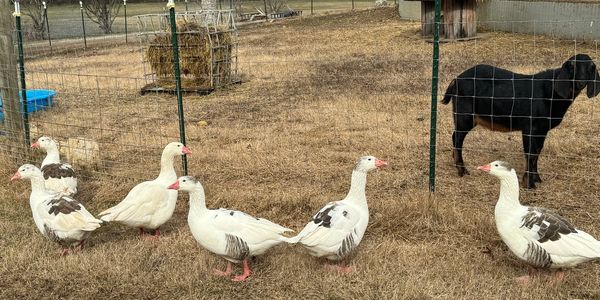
337 229
537 235
232 234
59 218
150 204
59 177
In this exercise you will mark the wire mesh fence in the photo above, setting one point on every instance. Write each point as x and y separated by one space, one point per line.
207 48
315 94
98 104
523 112
68 21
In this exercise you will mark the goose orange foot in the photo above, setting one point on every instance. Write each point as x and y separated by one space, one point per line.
339 268
227 271
246 273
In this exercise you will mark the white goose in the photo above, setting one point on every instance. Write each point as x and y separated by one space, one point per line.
536 235
337 229
59 218
150 204
232 234
59 177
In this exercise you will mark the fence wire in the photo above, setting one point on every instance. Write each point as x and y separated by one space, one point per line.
107 127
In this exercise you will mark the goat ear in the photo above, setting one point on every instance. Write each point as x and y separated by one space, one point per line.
563 82
593 85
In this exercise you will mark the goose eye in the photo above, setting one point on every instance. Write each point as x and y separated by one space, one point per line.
184 180
495 165
369 159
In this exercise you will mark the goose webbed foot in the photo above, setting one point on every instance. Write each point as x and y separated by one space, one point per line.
246 273
227 271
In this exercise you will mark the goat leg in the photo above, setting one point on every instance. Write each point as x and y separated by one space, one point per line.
458 138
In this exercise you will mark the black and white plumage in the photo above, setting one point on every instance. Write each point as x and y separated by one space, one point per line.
336 230
60 218
231 234
58 177
536 235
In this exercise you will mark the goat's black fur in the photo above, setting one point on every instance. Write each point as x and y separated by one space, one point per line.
501 100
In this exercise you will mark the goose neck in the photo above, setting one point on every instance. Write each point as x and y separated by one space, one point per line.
52 157
37 184
167 170
357 187
508 201
198 200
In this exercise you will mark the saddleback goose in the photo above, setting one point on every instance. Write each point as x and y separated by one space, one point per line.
536 235
150 204
59 177
337 229
234 235
58 217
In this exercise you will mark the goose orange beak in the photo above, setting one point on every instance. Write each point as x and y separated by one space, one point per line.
380 163
35 145
174 186
16 176
485 168
186 150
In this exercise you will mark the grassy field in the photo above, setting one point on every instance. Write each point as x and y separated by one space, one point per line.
317 94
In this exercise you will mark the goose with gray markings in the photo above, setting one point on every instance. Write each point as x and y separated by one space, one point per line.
231 234
59 218
336 230
536 235
58 177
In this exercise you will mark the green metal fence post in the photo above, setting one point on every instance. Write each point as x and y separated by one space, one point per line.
434 88
171 6
22 72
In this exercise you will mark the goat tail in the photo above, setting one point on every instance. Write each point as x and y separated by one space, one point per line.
450 92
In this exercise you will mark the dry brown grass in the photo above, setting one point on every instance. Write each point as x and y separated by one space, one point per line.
318 93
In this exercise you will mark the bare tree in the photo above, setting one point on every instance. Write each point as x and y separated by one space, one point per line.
35 10
208 4
276 6
102 12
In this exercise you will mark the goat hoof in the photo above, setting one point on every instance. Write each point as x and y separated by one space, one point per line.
531 186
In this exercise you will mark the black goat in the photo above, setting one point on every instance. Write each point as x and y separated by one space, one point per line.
501 100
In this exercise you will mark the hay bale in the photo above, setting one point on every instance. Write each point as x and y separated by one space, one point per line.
194 56
82 152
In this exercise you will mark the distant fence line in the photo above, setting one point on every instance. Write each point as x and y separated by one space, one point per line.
68 23
563 20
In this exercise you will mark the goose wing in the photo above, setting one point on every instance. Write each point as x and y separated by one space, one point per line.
60 177
139 204
65 214
249 228
331 228
556 235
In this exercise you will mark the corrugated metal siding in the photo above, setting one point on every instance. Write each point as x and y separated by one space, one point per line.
579 21
564 20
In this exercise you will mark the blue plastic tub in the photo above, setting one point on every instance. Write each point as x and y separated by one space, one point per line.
36 100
